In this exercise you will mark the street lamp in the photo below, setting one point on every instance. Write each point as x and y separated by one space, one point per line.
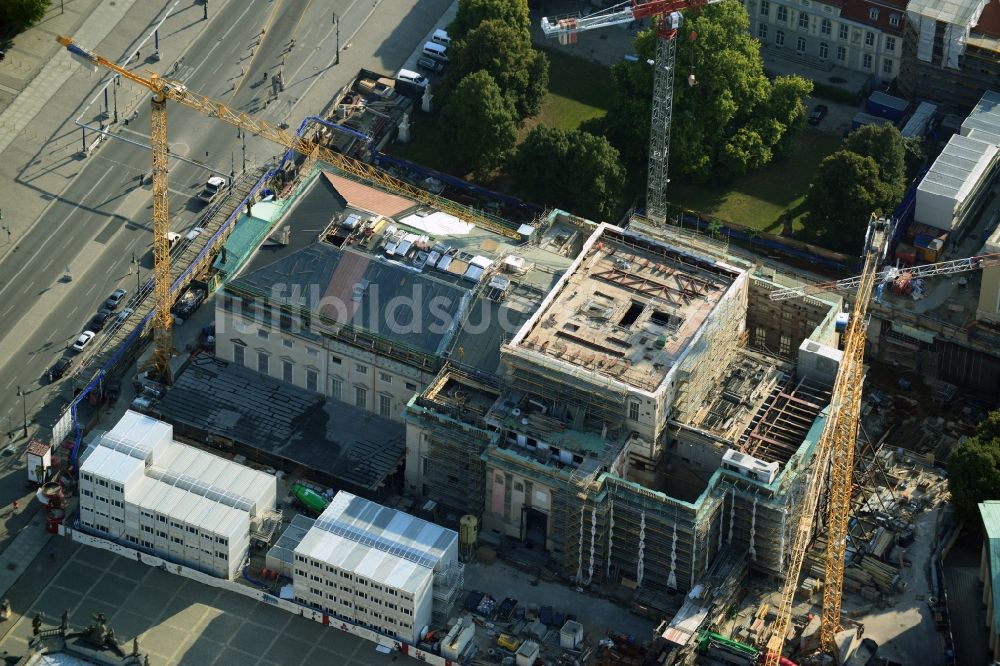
24 408
243 135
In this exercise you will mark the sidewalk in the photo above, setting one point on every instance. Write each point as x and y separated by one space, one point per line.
43 90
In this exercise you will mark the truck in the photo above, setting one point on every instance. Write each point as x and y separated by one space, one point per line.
213 188
309 498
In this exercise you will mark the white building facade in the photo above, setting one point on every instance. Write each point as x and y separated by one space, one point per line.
140 488
374 566
861 35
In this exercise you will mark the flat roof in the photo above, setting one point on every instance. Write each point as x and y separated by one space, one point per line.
377 542
350 445
627 308
959 167
985 115
990 512
958 12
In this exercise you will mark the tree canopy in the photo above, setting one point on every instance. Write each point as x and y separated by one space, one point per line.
22 14
733 120
479 123
505 51
471 13
867 175
571 169
974 470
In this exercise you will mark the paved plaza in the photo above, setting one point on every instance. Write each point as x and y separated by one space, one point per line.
178 621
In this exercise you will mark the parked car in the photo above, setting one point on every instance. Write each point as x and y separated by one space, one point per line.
115 299
82 341
430 64
818 114
58 371
123 315
213 188
99 320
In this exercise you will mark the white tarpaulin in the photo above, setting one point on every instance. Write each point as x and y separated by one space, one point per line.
959 15
438 224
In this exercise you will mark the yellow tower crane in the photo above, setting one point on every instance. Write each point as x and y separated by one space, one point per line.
836 450
175 91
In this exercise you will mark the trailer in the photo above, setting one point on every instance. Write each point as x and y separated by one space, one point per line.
886 106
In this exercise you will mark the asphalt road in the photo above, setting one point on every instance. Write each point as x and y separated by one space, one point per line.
96 225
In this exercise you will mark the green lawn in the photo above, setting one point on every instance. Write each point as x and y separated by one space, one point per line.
568 104
759 200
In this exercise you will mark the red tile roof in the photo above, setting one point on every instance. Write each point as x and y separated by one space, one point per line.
989 20
369 198
859 10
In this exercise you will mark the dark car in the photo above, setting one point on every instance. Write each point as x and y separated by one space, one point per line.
99 320
818 114
57 371
115 299
431 65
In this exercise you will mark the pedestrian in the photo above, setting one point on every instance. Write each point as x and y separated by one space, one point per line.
15 505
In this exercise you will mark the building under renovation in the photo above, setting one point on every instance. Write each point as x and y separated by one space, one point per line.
654 410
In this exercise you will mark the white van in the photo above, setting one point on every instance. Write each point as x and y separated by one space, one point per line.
436 51
172 238
412 77
441 37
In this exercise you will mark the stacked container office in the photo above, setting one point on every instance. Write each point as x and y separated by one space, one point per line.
141 488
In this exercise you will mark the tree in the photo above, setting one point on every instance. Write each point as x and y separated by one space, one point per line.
842 197
473 12
571 169
505 51
735 119
22 14
974 470
885 145
479 123
844 193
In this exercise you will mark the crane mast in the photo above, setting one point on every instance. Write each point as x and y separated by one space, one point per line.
566 27
836 450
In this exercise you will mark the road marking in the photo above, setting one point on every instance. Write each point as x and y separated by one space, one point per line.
12 379
73 311
92 288
224 35
46 267
52 235
9 308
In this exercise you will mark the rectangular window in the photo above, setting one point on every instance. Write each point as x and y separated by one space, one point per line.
869 39
779 38
411 386
287 344
336 389
385 406
262 363
765 7
287 368
842 32
762 32
866 61
841 53
800 44
803 20
633 411
336 360
782 14
890 43
361 369
894 20
361 397
262 334
239 354
312 380
826 26
887 66
285 321
385 377
824 50
248 309
786 345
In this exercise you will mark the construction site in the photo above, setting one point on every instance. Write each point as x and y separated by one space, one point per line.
634 413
